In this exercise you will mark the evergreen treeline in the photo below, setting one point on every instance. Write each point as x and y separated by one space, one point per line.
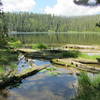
29 22
3 27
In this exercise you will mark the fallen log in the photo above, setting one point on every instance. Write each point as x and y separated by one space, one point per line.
85 67
18 77
56 61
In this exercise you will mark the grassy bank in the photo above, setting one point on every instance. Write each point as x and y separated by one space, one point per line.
91 57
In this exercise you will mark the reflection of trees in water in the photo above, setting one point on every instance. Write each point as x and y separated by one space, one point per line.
4 94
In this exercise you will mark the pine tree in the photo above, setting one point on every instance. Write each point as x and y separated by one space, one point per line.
3 27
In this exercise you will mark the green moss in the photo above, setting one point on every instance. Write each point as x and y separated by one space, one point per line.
56 61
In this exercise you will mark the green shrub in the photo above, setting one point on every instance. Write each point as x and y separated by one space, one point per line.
71 53
7 56
39 46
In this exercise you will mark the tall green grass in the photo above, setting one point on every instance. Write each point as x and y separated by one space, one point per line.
89 87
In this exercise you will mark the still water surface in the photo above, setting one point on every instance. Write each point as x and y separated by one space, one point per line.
42 86
84 38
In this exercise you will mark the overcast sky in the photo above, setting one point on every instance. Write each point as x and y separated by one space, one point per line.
56 7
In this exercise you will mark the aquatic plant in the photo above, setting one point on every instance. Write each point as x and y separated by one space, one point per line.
51 68
54 73
51 71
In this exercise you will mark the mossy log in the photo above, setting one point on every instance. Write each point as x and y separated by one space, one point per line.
83 61
56 61
18 77
82 47
85 67
78 65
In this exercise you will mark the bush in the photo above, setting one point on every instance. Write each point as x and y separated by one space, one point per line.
39 46
71 53
3 43
7 56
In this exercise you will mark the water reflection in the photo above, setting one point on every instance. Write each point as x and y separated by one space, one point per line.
43 87
86 38
4 94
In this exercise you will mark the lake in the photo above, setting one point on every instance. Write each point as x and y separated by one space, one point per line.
58 38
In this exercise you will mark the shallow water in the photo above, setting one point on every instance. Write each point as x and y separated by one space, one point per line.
42 86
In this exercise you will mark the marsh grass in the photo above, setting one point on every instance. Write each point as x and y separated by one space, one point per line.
89 88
